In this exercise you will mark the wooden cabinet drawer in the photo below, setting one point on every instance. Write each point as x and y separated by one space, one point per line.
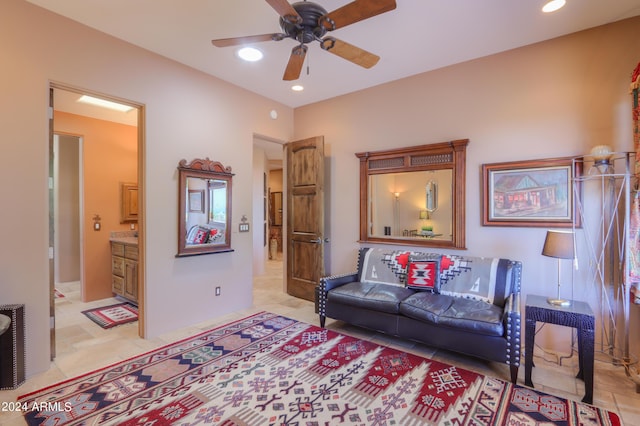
117 284
131 252
117 249
117 266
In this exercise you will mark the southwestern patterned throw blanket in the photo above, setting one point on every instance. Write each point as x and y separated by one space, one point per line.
271 370
470 277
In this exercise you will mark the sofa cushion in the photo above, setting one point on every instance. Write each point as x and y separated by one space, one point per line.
475 316
425 306
472 315
377 297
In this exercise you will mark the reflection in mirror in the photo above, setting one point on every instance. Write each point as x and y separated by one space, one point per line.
205 207
431 203
414 195
275 209
399 206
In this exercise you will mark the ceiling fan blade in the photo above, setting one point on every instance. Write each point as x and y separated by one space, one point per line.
355 11
296 60
285 10
349 52
235 41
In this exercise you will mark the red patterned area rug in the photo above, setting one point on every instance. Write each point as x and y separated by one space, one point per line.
271 370
113 315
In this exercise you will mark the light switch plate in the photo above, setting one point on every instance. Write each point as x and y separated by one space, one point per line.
243 227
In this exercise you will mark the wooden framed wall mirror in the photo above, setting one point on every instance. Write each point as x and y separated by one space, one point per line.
128 202
414 195
204 212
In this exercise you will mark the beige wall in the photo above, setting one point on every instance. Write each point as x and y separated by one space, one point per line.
188 115
67 209
109 157
552 99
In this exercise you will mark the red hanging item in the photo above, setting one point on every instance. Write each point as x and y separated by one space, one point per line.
634 231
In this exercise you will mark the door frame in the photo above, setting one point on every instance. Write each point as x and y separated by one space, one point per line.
55 85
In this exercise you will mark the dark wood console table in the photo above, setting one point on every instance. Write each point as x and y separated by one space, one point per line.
12 348
577 315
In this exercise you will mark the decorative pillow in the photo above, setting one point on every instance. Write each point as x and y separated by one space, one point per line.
424 275
201 236
191 235
216 236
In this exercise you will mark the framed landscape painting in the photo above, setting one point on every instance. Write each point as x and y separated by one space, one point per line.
530 193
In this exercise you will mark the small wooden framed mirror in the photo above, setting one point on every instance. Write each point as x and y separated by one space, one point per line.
204 213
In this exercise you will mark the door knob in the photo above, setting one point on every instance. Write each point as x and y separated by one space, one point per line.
319 240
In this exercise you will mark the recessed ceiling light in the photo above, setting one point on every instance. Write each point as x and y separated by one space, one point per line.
553 5
250 54
297 88
104 103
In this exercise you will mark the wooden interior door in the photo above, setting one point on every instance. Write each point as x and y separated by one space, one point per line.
305 216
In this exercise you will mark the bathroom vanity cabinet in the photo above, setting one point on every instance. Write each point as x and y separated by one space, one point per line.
124 268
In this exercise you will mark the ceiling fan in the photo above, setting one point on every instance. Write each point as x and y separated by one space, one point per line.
307 21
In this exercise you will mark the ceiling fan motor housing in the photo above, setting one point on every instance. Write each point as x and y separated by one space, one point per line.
309 28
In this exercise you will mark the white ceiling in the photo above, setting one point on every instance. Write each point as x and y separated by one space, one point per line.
418 36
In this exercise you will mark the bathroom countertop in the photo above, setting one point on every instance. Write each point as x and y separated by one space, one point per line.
125 240
124 237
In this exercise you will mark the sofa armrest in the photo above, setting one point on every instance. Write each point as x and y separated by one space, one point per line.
512 320
326 284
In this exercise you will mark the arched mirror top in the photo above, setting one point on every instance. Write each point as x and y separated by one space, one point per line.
414 195
204 212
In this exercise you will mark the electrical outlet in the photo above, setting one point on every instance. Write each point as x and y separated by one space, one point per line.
218 291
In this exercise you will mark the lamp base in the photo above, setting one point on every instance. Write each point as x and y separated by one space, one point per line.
558 302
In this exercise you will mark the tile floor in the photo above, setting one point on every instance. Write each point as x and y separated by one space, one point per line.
83 346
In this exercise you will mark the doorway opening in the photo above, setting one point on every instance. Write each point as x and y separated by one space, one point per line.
95 152
268 211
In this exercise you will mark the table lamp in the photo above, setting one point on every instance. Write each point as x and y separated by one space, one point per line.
558 244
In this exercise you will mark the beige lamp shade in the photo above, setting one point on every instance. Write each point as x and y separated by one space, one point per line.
558 244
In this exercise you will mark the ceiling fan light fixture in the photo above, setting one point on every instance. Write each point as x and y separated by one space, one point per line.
297 88
307 22
250 54
553 5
